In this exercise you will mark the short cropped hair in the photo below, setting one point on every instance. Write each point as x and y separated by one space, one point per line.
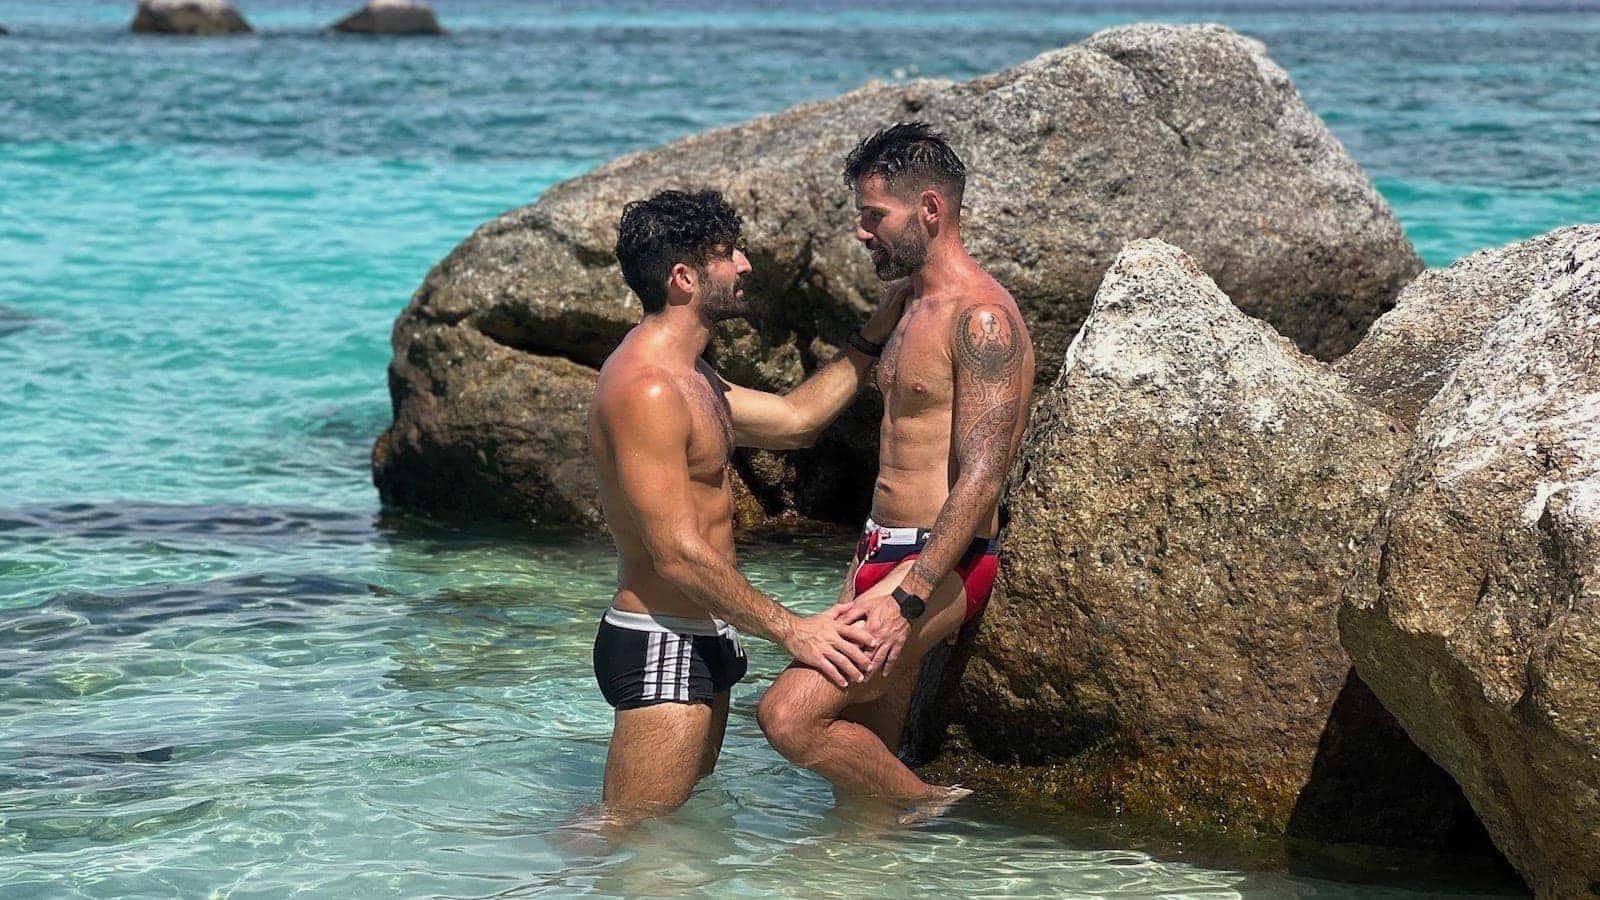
911 157
671 227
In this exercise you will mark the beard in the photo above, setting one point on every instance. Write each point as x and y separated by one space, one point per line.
902 256
722 300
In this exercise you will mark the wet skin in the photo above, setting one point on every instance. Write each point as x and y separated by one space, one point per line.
956 377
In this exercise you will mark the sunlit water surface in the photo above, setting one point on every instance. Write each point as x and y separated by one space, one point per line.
221 672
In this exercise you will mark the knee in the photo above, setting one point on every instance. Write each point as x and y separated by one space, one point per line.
790 730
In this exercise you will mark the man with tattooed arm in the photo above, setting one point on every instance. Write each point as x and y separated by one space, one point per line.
956 376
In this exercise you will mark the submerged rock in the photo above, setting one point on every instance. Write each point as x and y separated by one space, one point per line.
1189 502
1186 132
1442 316
193 17
13 320
391 17
1480 627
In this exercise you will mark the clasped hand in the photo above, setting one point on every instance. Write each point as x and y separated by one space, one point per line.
890 630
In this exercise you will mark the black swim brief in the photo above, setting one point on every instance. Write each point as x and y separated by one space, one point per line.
642 659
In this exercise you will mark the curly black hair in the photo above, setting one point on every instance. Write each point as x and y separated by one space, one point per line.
669 228
912 157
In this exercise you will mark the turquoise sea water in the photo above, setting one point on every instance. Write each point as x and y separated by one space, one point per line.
223 672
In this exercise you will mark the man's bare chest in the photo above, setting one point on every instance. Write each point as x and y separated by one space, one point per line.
915 371
710 430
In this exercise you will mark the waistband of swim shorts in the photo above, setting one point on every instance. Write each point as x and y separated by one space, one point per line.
888 535
897 537
666 624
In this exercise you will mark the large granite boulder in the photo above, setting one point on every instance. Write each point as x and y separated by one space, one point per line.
194 17
1187 506
402 17
1443 315
1479 627
1189 133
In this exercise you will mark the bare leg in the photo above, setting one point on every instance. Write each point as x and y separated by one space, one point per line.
844 734
714 734
656 756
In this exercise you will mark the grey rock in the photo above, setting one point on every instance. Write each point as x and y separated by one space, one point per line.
1442 317
399 17
1480 626
1185 132
1188 504
189 17
479 417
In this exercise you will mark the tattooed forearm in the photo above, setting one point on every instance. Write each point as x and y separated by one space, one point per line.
991 352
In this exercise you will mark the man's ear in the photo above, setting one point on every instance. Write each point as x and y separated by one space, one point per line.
931 207
681 282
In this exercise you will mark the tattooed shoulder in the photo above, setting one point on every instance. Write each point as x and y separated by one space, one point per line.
989 342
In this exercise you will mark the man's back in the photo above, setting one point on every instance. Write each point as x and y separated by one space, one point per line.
636 391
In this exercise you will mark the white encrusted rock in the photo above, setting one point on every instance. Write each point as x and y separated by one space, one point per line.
1480 629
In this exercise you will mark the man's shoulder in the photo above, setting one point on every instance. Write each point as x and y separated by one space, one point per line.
988 335
636 387
986 308
985 290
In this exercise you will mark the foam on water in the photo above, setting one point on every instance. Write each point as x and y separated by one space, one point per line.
222 671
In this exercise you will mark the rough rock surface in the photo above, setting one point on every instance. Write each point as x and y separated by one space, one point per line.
487 408
1185 512
1443 315
1189 133
405 17
194 17
1480 627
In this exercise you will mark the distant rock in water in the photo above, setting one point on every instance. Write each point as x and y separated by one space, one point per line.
3 31
1480 629
391 17
1190 499
1442 317
1189 133
193 17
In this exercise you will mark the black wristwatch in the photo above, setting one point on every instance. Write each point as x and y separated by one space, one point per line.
858 341
911 606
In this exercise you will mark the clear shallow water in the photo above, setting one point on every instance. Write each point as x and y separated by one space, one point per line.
219 670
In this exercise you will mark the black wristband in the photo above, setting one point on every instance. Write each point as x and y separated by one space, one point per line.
911 606
858 342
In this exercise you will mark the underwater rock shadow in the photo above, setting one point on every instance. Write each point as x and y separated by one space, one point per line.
13 320
74 619
268 526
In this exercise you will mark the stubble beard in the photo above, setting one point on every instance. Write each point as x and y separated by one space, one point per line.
721 301
902 257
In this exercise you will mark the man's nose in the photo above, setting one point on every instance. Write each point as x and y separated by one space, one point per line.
741 263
